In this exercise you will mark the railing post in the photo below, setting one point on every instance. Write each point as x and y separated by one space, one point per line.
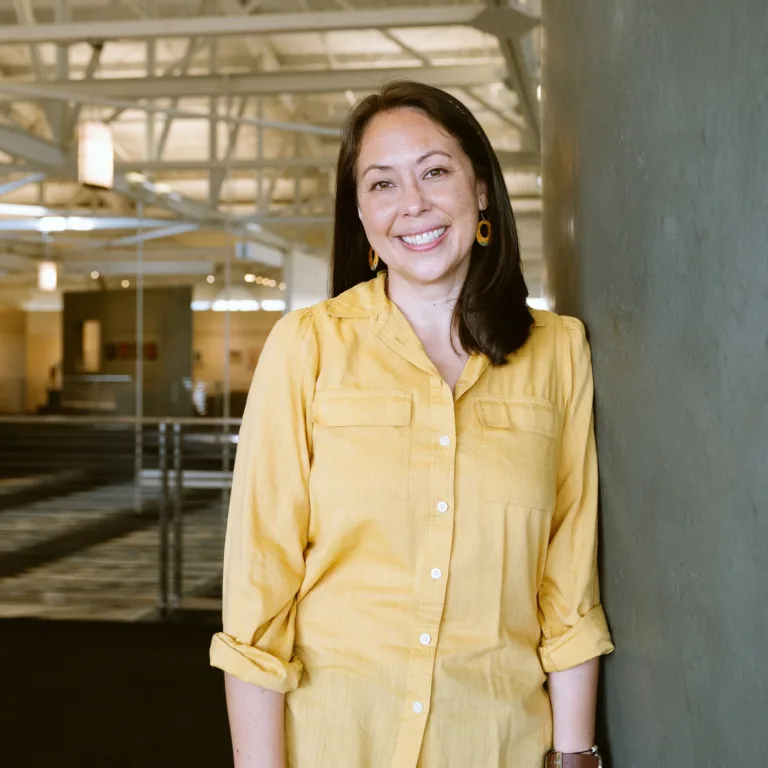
178 528
164 540
226 452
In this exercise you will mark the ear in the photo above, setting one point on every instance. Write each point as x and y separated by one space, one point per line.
482 195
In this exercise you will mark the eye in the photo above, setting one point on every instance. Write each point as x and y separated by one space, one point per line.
435 173
380 186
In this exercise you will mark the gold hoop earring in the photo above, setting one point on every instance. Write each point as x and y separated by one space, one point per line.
483 235
373 259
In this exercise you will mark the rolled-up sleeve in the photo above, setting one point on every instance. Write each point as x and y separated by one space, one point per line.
269 513
574 628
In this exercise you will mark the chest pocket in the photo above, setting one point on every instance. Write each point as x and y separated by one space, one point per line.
361 446
518 451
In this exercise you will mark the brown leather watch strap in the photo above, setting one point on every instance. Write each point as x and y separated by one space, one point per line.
563 760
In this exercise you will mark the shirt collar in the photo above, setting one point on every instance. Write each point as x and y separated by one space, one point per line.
370 299
363 300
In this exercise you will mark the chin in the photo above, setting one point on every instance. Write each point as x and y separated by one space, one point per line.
428 273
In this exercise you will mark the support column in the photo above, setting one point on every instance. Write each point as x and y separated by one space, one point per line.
655 232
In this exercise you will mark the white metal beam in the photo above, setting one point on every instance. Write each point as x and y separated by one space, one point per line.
18 183
147 266
508 159
25 16
153 234
74 115
259 24
16 91
34 150
519 80
272 84
98 223
41 154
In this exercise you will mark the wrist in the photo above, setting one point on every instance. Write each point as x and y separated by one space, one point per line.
589 758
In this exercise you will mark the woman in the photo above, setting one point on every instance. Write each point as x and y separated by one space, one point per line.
413 514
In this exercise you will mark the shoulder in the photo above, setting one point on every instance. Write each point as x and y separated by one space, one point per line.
558 330
563 340
294 326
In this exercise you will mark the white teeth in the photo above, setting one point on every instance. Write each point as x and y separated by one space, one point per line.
426 237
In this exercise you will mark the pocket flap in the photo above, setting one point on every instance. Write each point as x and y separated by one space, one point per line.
520 414
368 408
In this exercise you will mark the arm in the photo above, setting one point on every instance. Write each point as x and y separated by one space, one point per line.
256 722
267 530
574 630
573 694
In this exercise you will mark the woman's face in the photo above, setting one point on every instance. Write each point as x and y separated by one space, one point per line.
418 197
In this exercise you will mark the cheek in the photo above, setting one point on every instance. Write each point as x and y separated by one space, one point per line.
378 217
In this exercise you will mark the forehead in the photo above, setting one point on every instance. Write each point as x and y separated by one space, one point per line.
403 135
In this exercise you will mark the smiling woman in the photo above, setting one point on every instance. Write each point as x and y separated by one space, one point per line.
416 171
412 531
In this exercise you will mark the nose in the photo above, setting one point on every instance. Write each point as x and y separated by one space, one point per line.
413 201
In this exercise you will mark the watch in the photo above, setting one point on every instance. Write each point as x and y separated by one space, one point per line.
589 759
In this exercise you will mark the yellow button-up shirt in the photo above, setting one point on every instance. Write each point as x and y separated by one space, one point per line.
407 562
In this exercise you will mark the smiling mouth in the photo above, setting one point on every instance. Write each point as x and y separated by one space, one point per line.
424 238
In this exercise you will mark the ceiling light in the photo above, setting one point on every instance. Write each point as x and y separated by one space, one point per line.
235 305
95 275
95 156
52 224
14 209
80 224
249 278
259 280
273 305
47 276
125 283
210 279
283 286
538 92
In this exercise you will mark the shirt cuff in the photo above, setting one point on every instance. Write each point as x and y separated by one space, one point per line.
252 665
586 640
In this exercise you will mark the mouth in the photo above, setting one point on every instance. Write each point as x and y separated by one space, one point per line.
424 241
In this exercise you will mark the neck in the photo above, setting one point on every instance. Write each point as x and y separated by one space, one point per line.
428 308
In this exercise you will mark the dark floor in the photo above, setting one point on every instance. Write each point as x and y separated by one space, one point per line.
102 695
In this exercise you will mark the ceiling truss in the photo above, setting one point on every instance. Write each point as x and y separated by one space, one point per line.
271 130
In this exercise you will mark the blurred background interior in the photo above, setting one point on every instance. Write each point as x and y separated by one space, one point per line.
166 194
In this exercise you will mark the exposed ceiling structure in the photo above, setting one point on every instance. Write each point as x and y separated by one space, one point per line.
225 116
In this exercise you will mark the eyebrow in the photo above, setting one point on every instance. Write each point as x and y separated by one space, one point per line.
424 157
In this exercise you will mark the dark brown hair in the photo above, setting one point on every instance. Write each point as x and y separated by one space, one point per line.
491 315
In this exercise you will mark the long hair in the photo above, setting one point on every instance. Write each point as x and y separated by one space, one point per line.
491 315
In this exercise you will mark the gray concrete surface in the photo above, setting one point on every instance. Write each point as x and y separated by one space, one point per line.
656 235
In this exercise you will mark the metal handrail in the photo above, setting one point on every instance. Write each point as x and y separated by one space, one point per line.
170 475
151 421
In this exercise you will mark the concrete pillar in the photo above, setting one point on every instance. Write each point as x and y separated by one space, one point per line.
655 179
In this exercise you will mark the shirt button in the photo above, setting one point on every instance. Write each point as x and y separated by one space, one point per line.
418 707
425 639
442 506
435 573
445 441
